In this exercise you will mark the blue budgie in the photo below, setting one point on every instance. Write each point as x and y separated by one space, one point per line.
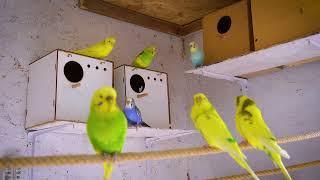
197 56
133 113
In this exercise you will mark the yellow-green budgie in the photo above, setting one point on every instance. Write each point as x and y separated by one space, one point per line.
145 58
106 125
251 126
207 120
99 50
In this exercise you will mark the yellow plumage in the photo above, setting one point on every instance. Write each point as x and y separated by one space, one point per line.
99 50
207 120
251 126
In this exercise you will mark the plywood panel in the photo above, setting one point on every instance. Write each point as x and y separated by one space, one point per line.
41 90
180 12
281 21
235 41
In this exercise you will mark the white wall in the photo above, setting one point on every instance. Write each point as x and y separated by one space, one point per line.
30 29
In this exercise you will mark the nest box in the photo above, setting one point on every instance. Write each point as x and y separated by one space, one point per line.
60 88
149 89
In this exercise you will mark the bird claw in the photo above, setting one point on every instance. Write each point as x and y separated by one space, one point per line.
206 146
114 157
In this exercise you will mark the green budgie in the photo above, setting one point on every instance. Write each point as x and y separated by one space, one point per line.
251 126
106 125
207 120
145 58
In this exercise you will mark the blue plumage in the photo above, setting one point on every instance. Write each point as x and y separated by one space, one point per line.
133 114
197 56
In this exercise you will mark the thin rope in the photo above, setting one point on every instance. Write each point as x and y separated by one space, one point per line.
270 172
14 162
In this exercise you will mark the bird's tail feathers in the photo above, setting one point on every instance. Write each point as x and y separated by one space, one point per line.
276 159
244 164
144 124
107 167
275 148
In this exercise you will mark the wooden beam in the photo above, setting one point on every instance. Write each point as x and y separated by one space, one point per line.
191 27
107 9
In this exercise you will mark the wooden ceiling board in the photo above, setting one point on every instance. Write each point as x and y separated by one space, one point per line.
180 12
177 17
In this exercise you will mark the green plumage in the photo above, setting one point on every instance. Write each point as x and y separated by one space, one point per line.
106 125
145 58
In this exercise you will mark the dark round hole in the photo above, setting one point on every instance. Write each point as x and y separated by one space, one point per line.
137 83
154 78
73 71
88 65
105 69
161 80
148 77
224 24
97 67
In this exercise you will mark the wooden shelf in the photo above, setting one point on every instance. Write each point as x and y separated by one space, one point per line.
287 54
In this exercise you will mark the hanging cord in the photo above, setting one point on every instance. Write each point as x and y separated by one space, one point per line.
269 172
14 162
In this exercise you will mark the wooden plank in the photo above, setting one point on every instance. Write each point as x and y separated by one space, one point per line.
277 21
130 16
190 28
180 12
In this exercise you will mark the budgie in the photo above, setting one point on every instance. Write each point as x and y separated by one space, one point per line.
145 58
197 57
106 125
133 113
207 120
99 50
251 126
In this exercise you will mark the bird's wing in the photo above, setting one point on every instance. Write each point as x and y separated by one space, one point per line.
261 128
138 111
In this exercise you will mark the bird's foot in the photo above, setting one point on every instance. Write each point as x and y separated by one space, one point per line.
206 146
114 157
107 156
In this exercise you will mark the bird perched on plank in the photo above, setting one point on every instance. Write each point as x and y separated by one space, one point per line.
106 125
145 58
252 127
133 113
99 50
207 120
197 56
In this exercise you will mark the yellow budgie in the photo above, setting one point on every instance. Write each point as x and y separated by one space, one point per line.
251 126
207 120
99 50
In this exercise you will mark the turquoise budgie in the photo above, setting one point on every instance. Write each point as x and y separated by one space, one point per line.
251 126
207 120
106 125
197 57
